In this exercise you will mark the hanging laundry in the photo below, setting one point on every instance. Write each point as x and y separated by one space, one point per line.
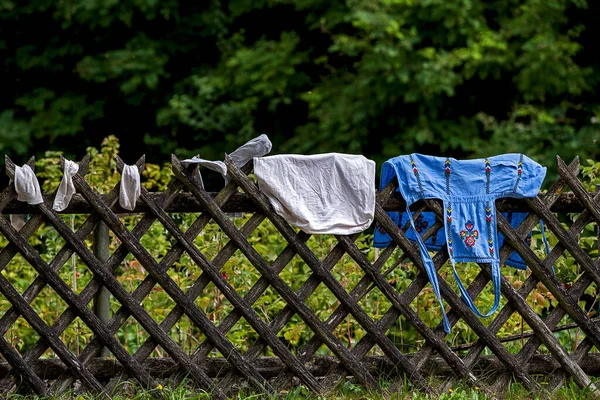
66 189
468 190
427 219
18 221
257 147
325 193
130 188
217 166
27 185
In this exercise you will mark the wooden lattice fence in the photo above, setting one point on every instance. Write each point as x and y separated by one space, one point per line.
223 376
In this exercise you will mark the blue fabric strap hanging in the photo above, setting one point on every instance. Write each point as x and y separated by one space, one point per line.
468 190
435 242
431 272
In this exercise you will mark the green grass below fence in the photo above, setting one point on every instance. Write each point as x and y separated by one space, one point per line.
348 390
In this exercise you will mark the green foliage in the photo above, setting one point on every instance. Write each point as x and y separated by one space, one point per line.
53 116
590 171
15 135
103 167
223 103
380 77
139 66
429 85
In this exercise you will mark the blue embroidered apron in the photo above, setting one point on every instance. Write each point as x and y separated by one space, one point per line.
426 219
468 190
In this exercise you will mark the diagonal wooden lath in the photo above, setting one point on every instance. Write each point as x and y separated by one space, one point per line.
241 369
276 282
146 286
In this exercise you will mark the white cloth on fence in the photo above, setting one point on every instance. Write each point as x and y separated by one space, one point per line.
218 166
27 185
325 193
66 189
257 147
17 221
130 188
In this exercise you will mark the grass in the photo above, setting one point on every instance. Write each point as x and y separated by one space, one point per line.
348 390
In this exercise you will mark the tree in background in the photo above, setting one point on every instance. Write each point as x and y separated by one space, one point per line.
465 78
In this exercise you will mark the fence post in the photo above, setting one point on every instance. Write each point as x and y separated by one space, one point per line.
102 299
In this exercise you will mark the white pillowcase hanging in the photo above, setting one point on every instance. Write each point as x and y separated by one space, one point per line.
27 185
66 189
130 188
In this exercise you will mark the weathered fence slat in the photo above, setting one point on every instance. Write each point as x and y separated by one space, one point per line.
279 285
286 314
171 288
454 301
196 289
565 300
366 343
556 315
222 377
521 305
168 260
140 292
51 276
229 292
85 296
530 283
165 367
116 289
240 202
333 285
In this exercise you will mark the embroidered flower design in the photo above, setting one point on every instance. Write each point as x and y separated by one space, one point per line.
421 224
469 235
